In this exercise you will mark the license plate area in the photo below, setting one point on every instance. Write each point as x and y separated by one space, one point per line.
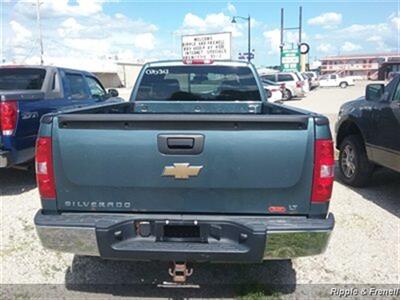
181 232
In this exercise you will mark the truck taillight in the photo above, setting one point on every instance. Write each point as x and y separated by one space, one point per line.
8 117
44 168
324 167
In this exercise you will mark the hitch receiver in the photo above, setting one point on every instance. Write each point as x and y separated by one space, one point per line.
180 272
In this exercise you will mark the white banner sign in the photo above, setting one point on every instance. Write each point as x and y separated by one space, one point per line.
215 46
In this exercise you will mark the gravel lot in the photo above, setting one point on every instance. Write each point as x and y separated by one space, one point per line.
364 248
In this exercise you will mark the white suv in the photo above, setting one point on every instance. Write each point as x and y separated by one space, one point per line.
294 85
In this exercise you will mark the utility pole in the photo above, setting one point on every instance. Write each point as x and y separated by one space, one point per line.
248 40
282 29
300 23
40 30
301 58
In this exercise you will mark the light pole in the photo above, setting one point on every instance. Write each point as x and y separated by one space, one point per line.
248 34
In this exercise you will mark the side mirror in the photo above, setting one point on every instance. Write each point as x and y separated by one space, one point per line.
268 93
374 91
113 92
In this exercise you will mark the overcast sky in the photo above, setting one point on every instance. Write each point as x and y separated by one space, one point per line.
85 30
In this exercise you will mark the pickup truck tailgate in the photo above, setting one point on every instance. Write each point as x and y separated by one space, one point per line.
184 163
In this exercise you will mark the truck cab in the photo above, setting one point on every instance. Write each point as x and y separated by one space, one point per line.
368 133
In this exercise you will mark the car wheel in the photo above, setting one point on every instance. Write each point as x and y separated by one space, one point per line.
355 168
287 95
343 85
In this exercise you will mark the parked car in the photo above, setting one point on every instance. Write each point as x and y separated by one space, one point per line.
368 133
275 91
28 92
293 85
305 80
334 80
314 83
187 171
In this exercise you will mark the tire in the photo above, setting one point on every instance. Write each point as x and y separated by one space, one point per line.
354 167
343 85
287 95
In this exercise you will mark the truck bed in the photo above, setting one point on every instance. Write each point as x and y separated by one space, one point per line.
113 158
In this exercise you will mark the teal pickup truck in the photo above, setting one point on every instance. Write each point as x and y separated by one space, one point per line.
196 167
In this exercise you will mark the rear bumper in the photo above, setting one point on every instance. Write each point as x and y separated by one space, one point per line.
222 238
10 158
299 92
5 159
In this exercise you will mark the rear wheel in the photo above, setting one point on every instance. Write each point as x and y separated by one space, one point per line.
355 168
343 85
287 95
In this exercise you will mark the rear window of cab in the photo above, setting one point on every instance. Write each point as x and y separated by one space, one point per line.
21 78
198 83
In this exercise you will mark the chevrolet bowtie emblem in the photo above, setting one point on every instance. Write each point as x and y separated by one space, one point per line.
181 170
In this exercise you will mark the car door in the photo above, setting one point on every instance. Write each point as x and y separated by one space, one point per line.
332 81
385 141
77 90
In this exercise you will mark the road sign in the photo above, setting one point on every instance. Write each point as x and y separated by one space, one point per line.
290 60
215 46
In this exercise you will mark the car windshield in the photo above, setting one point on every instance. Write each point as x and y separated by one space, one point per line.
21 78
198 83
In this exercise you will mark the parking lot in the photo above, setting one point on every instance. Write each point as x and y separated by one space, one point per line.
364 247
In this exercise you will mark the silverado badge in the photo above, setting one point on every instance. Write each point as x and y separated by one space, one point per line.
181 170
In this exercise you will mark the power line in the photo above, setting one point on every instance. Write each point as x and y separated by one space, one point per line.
29 54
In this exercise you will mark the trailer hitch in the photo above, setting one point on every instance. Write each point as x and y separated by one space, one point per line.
180 272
